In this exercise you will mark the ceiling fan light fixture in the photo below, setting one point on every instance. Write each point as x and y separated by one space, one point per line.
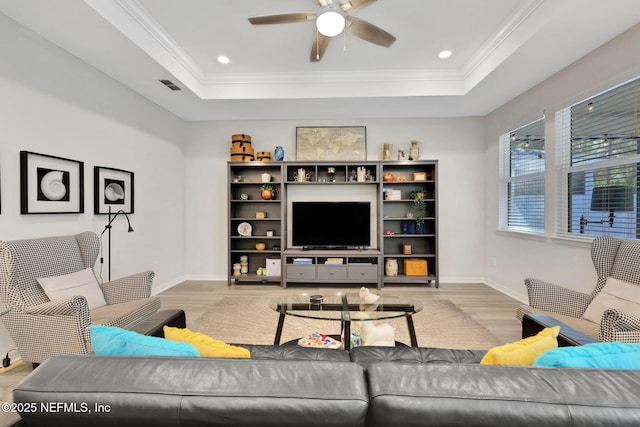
330 23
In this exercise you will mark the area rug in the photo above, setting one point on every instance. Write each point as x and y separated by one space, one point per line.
249 320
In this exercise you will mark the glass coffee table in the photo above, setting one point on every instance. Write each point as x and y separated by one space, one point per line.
345 308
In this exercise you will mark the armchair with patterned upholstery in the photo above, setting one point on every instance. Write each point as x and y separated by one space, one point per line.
612 257
40 327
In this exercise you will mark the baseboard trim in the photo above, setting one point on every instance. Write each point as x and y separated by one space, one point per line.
157 288
523 298
467 280
207 277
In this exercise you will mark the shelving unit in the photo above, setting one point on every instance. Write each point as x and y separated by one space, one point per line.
398 219
395 227
246 178
319 173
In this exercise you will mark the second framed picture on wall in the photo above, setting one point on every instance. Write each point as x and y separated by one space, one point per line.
112 188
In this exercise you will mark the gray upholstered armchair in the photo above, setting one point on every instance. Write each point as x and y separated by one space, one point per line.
612 257
41 327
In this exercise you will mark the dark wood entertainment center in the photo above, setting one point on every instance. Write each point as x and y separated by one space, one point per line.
396 235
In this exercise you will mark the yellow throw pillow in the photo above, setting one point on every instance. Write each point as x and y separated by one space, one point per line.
206 346
525 351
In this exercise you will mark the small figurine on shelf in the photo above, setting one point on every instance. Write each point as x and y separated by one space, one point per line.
331 172
301 175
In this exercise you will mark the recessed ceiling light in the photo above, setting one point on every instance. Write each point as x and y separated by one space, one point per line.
445 54
223 59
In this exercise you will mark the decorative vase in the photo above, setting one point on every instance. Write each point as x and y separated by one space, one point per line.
391 267
236 269
386 151
265 177
414 150
278 154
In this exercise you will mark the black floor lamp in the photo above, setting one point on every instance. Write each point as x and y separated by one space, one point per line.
108 227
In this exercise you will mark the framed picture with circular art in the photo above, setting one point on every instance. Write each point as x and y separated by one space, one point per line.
112 188
50 184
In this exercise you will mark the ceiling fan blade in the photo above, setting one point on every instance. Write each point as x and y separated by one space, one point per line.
282 19
324 3
369 32
353 5
318 47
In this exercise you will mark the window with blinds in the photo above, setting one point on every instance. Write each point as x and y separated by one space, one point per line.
600 158
522 206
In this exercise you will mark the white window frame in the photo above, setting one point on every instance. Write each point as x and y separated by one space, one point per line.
506 180
564 167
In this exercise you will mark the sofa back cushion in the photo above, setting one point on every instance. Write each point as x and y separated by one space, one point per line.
190 391
411 395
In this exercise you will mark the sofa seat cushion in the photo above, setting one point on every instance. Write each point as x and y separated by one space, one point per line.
126 314
411 395
189 391
367 355
585 326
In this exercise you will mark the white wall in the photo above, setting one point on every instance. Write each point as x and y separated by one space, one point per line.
511 258
456 143
52 103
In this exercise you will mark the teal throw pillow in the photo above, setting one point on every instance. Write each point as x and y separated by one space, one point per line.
609 355
112 341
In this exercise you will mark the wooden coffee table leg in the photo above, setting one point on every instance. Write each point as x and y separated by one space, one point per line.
412 331
276 341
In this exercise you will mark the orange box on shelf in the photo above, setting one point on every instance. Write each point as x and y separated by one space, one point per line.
415 267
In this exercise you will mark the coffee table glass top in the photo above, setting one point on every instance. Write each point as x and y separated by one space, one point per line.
340 306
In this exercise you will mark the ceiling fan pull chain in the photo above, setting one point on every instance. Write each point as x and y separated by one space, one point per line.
344 41
317 46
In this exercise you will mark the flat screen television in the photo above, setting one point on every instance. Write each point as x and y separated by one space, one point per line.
318 225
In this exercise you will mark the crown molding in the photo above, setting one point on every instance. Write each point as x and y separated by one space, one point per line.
137 24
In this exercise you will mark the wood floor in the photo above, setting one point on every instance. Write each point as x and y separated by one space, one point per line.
489 307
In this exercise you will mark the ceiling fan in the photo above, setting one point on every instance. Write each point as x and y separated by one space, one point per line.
331 21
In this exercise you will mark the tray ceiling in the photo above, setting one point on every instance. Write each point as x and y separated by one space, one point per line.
501 48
